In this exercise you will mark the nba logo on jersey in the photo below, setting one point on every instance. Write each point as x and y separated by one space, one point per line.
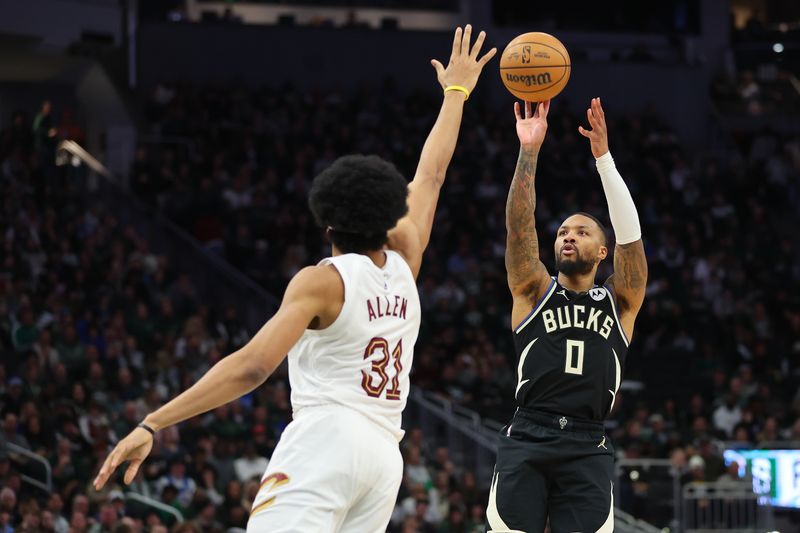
598 293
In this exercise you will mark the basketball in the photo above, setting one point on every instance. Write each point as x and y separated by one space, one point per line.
535 67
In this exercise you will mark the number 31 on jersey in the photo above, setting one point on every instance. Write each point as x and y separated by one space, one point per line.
375 388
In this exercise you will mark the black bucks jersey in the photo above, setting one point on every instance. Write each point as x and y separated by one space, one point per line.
571 350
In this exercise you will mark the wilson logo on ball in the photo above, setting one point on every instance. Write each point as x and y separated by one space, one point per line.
530 79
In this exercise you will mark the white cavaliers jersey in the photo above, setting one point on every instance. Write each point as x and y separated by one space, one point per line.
363 359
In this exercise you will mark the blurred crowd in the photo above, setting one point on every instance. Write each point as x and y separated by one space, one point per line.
765 90
761 69
97 329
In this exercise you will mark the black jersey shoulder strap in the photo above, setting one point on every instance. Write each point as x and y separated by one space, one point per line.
538 307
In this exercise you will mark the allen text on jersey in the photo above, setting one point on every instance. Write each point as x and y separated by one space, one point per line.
381 306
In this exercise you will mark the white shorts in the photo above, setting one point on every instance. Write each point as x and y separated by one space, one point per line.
333 470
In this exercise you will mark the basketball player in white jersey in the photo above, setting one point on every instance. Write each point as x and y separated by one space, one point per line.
349 325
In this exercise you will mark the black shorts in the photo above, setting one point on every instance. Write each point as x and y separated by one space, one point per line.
553 467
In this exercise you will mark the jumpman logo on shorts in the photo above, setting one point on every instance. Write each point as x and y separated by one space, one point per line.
602 444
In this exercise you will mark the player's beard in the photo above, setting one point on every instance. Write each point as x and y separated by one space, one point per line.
572 267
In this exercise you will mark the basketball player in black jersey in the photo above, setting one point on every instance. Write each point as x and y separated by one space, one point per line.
571 336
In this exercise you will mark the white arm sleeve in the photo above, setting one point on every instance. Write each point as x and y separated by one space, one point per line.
621 209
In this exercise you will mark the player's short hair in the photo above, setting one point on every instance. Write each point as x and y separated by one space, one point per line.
603 232
359 199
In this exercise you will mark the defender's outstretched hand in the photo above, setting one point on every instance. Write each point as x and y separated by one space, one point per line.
532 128
598 135
134 448
464 66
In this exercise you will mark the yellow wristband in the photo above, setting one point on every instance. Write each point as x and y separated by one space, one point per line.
460 89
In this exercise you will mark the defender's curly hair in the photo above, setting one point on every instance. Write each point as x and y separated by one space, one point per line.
360 198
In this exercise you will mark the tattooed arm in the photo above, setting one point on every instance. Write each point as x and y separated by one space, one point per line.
527 276
629 280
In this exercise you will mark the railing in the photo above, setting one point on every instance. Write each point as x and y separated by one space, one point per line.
155 504
80 155
626 523
460 430
729 507
649 489
47 485
222 284
485 429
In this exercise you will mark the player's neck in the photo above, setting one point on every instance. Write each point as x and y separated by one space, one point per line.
577 282
376 256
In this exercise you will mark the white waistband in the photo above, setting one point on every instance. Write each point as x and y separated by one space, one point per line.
396 436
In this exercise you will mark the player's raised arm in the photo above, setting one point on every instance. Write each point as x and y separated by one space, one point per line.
527 276
411 235
311 294
629 280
